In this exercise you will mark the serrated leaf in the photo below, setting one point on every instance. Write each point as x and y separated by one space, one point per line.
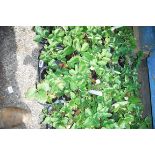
67 41
45 33
88 56
88 122
47 120
38 30
38 38
44 86
65 120
128 118
54 119
76 44
72 61
119 105
107 115
60 84
88 112
52 63
41 96
59 32
72 95
73 86
72 72
82 67
31 93
67 51
84 47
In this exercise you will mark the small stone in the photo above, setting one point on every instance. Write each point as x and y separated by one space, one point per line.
10 89
126 98
98 81
95 92
92 68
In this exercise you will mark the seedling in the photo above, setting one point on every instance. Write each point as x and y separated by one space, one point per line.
91 78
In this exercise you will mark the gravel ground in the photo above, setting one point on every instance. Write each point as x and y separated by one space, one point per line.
18 63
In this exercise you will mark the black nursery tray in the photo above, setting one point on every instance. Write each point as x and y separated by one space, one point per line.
42 69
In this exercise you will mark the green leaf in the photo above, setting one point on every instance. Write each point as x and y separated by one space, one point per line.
102 63
119 105
31 93
65 120
67 41
52 63
38 38
73 86
88 56
72 72
41 33
60 127
60 84
107 115
44 86
38 30
72 95
41 96
45 33
54 119
128 118
85 47
72 61
68 50
47 120
59 32
88 122
100 107
83 67
122 124
76 44
134 100
88 112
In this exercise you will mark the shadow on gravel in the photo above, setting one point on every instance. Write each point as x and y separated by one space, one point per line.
8 67
32 59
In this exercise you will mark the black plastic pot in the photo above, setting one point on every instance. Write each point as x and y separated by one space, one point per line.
42 68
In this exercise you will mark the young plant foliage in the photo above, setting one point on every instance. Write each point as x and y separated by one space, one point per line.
91 80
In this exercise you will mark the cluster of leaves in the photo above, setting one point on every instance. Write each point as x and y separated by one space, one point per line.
77 57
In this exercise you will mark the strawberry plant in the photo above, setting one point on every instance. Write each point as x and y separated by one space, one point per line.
91 79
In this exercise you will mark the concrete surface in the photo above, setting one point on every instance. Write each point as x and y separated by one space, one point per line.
18 68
